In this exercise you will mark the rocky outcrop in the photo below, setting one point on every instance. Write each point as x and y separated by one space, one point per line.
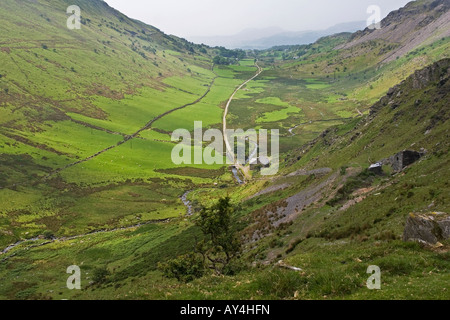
429 228
437 73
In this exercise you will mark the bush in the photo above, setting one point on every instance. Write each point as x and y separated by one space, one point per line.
185 268
100 275
219 250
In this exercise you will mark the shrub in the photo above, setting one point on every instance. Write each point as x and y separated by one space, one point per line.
100 275
185 268
364 179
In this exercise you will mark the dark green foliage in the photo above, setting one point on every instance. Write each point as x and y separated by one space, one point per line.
218 251
48 235
185 268
226 57
221 60
223 245
236 54
100 275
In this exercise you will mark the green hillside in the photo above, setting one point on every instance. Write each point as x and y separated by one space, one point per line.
70 102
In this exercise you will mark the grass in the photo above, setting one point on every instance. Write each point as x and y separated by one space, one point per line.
279 114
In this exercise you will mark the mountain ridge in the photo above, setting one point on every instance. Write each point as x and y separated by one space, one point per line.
252 39
418 23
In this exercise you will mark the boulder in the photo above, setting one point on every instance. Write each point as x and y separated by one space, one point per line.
429 228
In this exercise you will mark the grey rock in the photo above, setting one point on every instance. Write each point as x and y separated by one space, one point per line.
427 228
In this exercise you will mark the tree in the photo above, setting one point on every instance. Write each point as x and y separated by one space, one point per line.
221 245
217 251
221 60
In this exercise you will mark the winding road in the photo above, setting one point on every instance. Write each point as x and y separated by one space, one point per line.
229 149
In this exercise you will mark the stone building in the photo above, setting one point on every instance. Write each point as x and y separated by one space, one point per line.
403 159
376 168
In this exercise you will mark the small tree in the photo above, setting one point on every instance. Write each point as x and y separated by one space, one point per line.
217 251
221 245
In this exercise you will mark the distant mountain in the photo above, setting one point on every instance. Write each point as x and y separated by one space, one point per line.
269 37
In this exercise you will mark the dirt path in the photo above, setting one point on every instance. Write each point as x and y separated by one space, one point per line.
230 150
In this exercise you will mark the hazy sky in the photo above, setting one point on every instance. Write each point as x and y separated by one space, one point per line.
188 18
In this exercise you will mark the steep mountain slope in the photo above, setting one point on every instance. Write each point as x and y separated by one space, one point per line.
418 23
361 68
110 56
327 207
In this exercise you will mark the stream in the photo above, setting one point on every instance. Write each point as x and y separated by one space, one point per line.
236 175
187 203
